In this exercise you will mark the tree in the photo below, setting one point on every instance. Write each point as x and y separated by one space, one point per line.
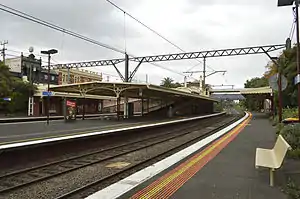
288 68
256 82
168 83
14 88
5 80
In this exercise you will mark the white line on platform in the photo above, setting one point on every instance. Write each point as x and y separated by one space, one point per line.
121 187
53 119
69 131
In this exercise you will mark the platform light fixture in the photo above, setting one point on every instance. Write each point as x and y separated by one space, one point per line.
49 53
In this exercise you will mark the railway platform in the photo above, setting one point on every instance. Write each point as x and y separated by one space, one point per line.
223 168
25 134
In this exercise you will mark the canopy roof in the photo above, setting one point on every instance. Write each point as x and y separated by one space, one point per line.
228 96
245 91
132 90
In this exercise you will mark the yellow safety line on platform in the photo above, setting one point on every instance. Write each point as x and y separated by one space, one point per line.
159 185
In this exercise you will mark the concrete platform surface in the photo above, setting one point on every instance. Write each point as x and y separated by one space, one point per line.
20 132
231 173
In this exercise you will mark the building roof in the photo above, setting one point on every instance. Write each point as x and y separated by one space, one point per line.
132 90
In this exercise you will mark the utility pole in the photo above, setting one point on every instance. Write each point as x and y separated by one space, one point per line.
3 43
204 75
298 67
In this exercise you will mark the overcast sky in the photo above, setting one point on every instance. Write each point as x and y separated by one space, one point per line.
194 25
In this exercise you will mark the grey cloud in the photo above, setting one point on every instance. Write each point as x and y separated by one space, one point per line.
237 24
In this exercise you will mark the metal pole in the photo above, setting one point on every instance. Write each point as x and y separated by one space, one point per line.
126 80
48 96
280 97
68 80
118 108
3 50
83 108
126 67
298 67
142 109
204 71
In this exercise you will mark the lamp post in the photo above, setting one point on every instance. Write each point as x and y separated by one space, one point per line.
289 3
49 53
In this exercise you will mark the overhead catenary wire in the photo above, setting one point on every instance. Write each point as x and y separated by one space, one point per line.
152 30
55 27
66 31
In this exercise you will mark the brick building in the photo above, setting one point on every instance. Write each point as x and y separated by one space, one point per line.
72 76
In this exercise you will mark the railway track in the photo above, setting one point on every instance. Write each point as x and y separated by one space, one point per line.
26 177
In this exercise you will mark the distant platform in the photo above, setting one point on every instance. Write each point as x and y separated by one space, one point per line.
36 133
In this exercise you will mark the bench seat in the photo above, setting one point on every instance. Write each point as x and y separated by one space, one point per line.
266 158
272 158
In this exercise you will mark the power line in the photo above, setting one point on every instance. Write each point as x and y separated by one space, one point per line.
16 51
55 27
58 28
152 30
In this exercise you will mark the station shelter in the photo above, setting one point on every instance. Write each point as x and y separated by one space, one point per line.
264 95
151 98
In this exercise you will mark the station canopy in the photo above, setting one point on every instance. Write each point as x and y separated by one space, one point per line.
131 90
245 91
239 94
228 96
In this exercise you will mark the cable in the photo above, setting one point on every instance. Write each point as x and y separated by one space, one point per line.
55 27
15 51
155 32
58 28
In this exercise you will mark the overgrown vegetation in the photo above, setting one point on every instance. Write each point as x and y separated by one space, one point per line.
291 134
14 88
292 190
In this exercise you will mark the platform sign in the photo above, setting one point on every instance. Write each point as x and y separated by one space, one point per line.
8 99
297 79
71 104
71 110
47 93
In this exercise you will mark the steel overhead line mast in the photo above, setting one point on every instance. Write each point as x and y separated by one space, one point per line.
210 53
175 56
179 56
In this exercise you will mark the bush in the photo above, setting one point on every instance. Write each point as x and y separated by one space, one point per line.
279 128
292 190
291 134
289 112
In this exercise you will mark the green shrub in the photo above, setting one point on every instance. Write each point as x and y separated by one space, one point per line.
291 134
292 190
289 112
279 127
